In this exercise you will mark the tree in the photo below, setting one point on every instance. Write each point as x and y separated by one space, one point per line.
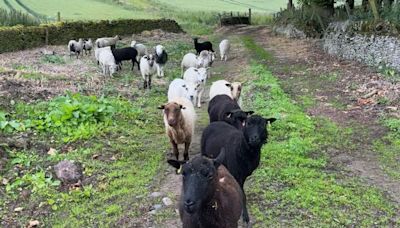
290 4
351 4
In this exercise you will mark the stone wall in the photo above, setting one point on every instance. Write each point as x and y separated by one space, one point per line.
380 51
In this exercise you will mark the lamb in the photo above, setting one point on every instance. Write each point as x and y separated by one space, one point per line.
179 88
190 60
123 54
207 45
223 108
206 59
179 120
107 62
97 52
224 48
197 76
161 58
141 49
210 196
75 47
221 87
87 46
147 69
107 41
242 147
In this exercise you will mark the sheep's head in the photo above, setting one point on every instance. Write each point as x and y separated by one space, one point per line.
172 112
150 59
133 43
200 179
255 131
236 88
192 89
237 118
117 37
113 69
202 74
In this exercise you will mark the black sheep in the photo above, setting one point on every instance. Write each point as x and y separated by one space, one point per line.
123 54
242 148
161 59
210 196
224 108
207 45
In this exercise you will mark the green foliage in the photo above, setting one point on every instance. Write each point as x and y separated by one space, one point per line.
13 17
56 59
291 180
8 125
62 32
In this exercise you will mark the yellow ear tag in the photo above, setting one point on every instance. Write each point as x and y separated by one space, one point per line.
179 171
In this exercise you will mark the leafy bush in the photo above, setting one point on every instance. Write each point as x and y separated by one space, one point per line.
56 59
7 125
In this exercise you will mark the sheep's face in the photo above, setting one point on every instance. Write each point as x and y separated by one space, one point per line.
200 178
113 69
255 131
192 89
172 113
236 90
150 59
202 74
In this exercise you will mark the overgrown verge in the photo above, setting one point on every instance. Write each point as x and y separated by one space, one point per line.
293 185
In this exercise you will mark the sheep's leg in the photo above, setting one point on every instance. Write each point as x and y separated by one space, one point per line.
245 213
162 71
149 82
133 64
145 84
186 152
175 150
199 98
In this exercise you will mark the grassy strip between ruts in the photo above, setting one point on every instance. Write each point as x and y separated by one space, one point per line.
292 185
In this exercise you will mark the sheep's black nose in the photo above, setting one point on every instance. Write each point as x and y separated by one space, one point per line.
254 138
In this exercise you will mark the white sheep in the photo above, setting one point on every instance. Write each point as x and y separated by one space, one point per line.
224 48
97 52
197 76
107 41
147 69
206 58
161 59
221 87
107 62
178 88
141 48
75 46
179 120
190 60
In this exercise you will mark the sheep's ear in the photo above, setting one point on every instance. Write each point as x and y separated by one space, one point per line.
249 113
195 69
161 107
184 86
220 159
270 120
176 164
182 107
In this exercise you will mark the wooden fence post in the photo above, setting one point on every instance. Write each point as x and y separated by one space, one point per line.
250 16
47 37
58 16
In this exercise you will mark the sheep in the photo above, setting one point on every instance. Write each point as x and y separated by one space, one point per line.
179 88
87 46
97 52
224 48
221 87
197 76
122 54
242 147
190 60
107 41
107 62
224 108
210 195
161 58
141 48
207 45
75 47
236 92
179 120
147 69
206 59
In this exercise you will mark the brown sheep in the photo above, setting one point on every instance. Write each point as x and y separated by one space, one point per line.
179 120
210 195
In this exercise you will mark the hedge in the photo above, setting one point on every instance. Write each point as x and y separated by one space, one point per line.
22 37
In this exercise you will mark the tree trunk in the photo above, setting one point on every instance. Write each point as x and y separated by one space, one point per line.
351 4
290 4
365 5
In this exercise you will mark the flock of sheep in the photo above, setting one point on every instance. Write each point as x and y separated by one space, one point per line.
212 192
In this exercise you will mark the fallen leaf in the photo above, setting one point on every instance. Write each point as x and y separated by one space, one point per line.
95 156
18 209
33 223
4 181
51 152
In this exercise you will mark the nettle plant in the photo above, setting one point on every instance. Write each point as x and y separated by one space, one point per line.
72 116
